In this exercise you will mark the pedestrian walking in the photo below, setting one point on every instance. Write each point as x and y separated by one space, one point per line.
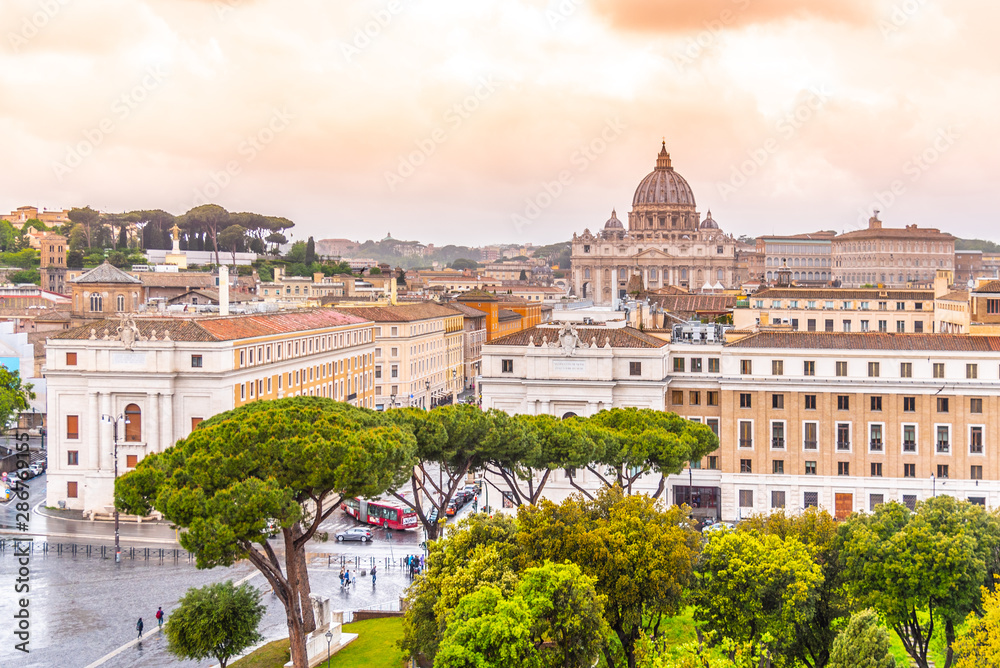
373 576
138 626
347 579
159 617
341 577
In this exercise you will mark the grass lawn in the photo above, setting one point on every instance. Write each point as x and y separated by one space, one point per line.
937 654
374 648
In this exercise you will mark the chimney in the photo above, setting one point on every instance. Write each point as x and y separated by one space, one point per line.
392 291
942 282
223 290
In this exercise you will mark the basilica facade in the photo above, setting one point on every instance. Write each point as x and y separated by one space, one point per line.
666 244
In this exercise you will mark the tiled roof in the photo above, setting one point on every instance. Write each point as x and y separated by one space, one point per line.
229 328
873 341
620 337
400 313
992 286
695 303
956 296
106 273
843 293
187 279
467 311
892 232
476 296
505 314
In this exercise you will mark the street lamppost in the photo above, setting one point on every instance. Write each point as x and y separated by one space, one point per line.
329 639
392 401
108 419
933 485
427 386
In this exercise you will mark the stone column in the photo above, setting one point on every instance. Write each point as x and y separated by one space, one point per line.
151 428
167 420
106 442
93 423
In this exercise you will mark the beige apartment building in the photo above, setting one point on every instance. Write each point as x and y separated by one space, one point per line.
191 369
418 353
837 310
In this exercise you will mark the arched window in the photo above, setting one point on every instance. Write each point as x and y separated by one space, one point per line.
586 273
121 303
652 273
622 274
96 303
133 424
719 274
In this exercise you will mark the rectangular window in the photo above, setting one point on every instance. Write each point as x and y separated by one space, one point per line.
873 369
843 436
695 365
992 306
777 499
777 367
677 398
71 490
679 365
694 398
875 438
875 500
635 368
900 327
70 359
778 466
918 327
828 324
900 306
809 368
195 421
810 402
713 424
746 466
810 440
810 499
131 461
714 364
864 326
972 371
942 404
876 403
942 470
843 468
506 366
883 326
910 500
713 462
712 398
843 402
976 472
909 404
943 439
876 469
976 440
811 324
394 369
196 361
909 438
73 457
906 370
746 434
745 400
841 369
778 435
846 325
777 401
746 498
909 470
810 467
746 367
975 405
243 391
72 426
938 370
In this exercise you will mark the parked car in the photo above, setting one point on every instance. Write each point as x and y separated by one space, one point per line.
452 508
36 469
719 526
362 534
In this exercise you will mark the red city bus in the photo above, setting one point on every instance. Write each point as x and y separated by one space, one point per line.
389 514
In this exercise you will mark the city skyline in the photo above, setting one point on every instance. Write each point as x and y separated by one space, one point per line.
379 118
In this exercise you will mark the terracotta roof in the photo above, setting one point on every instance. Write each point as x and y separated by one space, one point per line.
956 296
229 328
992 286
695 303
213 295
106 273
620 337
843 293
873 341
901 232
467 311
506 314
401 313
476 296
669 290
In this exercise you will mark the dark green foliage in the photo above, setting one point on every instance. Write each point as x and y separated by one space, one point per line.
216 621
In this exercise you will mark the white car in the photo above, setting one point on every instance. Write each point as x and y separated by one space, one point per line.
719 526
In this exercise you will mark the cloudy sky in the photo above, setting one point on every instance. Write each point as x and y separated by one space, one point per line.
477 121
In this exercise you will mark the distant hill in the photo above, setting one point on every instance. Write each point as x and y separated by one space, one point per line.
977 244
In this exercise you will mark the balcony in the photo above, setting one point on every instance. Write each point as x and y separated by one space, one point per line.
843 445
778 443
943 447
875 445
746 442
810 444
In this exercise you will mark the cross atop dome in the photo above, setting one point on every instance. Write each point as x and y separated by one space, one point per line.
663 159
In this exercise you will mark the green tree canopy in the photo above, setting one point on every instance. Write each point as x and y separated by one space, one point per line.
209 219
87 219
290 461
216 621
14 396
979 644
919 569
864 643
